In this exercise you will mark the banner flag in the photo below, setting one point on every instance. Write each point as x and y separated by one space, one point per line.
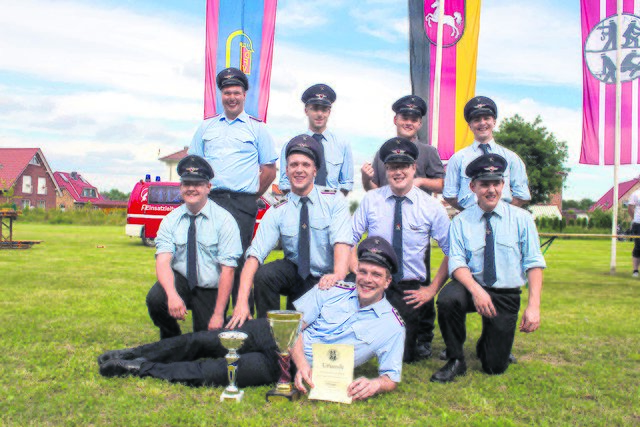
599 75
461 23
240 34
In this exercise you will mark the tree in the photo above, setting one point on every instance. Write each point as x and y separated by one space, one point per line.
541 152
582 205
115 194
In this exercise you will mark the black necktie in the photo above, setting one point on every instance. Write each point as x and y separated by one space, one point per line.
489 274
304 259
484 148
321 176
397 236
192 261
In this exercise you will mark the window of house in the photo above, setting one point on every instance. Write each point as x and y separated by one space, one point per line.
41 204
26 184
42 185
26 204
89 192
35 161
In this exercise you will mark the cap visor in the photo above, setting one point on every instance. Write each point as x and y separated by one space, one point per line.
489 177
399 158
193 178
302 150
319 101
376 259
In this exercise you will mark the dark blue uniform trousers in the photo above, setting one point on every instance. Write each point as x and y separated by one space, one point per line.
494 346
197 359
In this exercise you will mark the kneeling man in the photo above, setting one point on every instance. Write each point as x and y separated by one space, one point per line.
494 250
367 321
314 226
197 250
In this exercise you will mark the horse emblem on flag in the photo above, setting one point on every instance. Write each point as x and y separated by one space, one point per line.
453 21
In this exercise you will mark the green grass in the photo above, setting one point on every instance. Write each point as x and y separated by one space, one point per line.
67 300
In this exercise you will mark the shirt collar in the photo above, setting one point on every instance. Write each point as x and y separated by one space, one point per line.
499 210
242 117
205 211
313 196
492 144
381 307
411 195
324 134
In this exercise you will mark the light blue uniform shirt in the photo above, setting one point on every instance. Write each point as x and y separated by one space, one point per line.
516 242
334 316
235 150
218 241
338 158
456 181
329 223
423 217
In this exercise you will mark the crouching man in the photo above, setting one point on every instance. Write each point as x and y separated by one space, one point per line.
346 314
494 250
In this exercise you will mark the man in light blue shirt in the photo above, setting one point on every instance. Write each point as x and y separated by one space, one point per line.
241 152
336 167
494 251
197 248
481 113
420 217
314 227
359 315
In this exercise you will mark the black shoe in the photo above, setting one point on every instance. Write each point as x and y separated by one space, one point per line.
453 368
443 355
512 359
121 367
125 354
423 350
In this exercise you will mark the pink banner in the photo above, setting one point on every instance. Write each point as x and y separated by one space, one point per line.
600 28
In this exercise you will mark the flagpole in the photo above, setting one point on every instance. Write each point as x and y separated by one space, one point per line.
435 128
616 145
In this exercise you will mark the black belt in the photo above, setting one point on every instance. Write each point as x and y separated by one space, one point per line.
503 290
232 194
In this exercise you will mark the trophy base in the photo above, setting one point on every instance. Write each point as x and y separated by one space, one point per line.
276 395
232 396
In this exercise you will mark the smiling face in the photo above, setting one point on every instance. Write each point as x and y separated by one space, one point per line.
400 177
407 125
318 116
233 98
195 194
482 128
488 193
371 282
301 171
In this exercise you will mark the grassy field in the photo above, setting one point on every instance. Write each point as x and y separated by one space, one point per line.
82 292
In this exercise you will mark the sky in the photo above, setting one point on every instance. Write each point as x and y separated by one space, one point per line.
106 87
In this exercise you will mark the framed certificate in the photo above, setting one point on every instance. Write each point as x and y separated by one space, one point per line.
332 372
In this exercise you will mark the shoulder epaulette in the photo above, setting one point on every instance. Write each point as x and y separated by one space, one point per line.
328 191
255 118
280 203
395 313
345 285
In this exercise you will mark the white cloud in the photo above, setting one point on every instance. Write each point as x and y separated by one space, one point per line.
530 42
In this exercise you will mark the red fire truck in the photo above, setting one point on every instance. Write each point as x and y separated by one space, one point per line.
151 201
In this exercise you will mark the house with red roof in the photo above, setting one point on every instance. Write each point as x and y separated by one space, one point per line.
77 192
172 161
26 171
625 190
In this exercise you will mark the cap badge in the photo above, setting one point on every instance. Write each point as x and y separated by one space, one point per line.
412 106
321 95
491 169
399 151
377 241
480 106
374 250
192 169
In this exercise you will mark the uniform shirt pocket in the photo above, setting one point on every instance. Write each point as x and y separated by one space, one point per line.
475 253
363 332
420 234
507 254
320 231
